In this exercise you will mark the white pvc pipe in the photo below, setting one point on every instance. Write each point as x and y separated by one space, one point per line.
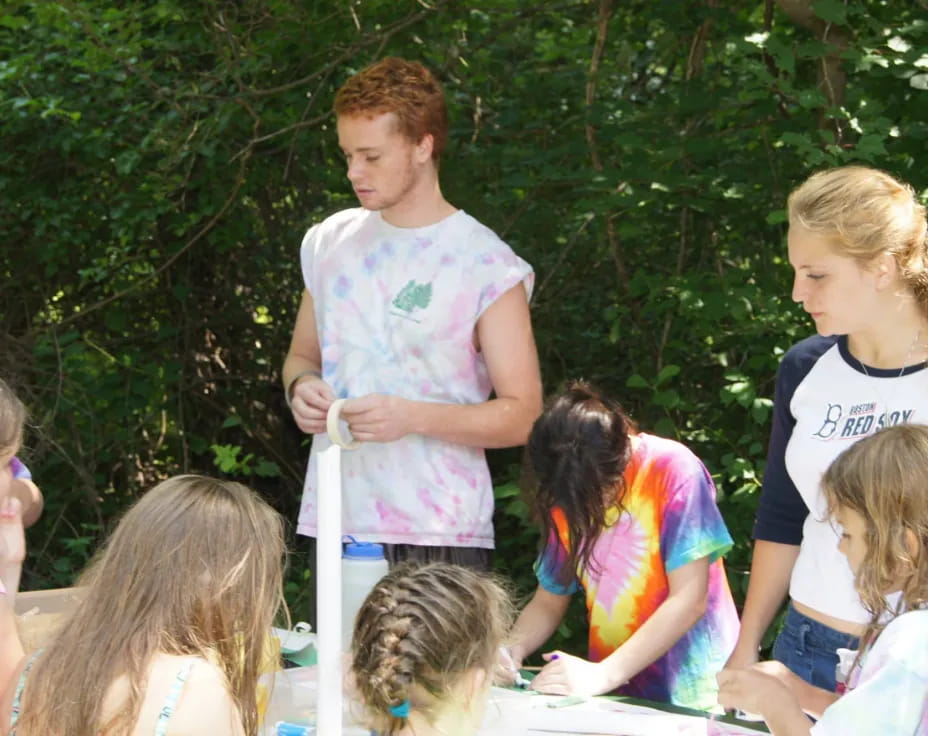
329 590
329 577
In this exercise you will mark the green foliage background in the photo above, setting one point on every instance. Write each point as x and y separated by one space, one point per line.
162 159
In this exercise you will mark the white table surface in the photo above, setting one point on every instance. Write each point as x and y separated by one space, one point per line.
524 714
513 713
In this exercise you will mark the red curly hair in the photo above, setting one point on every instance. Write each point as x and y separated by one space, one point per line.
405 88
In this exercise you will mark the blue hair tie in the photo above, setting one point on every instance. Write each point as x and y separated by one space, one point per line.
401 710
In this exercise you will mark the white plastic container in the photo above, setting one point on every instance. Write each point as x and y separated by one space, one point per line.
363 565
290 697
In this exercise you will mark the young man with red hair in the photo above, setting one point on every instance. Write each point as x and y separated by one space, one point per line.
414 312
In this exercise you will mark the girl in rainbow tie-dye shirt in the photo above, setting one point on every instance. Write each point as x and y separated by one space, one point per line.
631 518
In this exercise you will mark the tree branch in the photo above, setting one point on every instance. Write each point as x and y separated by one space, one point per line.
615 243
240 180
349 52
832 76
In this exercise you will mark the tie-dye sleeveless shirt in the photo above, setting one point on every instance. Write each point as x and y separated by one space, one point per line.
669 518
396 310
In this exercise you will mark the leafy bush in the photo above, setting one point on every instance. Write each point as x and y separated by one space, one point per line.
162 159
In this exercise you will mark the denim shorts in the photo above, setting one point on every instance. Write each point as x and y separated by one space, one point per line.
809 648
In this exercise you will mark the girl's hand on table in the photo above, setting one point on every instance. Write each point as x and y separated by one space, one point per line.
781 672
755 690
506 673
568 675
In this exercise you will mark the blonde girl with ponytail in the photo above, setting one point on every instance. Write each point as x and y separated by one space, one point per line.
857 246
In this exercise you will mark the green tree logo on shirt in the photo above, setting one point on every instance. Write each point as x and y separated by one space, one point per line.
413 296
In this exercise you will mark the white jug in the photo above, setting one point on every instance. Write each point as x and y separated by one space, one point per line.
363 565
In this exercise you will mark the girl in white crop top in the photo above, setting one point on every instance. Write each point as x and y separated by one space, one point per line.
858 248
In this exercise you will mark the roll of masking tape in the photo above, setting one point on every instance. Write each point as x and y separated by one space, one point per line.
333 429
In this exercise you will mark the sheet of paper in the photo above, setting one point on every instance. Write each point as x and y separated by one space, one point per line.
524 714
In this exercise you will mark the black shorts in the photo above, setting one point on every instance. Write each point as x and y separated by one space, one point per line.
478 558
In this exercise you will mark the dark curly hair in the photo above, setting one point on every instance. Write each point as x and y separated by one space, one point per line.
575 459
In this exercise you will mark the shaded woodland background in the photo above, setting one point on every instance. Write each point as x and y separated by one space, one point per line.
161 160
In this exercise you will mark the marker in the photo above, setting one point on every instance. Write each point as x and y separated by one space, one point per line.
565 701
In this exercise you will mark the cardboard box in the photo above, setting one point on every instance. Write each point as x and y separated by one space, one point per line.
39 614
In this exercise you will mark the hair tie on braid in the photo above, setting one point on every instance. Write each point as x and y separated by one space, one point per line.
401 710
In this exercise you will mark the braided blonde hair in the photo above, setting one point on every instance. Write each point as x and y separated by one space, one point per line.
866 213
419 632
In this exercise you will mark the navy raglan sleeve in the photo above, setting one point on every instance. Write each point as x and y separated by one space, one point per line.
781 511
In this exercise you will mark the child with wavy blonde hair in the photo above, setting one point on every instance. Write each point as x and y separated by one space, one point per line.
425 646
15 478
877 492
20 499
170 633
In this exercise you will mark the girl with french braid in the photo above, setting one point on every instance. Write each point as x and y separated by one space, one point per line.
425 647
